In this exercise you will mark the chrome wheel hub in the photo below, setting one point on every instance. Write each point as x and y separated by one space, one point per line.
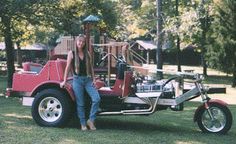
50 109
217 123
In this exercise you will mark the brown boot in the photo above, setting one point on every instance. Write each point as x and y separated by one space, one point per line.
91 125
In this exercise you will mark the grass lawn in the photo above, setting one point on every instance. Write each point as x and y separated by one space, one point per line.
165 127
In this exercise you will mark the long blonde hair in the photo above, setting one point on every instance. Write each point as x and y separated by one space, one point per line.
86 56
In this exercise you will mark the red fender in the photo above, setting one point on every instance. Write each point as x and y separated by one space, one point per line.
209 102
68 88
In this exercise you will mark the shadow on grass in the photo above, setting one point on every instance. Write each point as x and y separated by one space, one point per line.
3 85
106 123
142 124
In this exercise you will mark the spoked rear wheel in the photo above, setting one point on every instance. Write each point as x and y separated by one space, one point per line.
221 122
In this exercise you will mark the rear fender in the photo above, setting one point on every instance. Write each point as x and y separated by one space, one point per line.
203 106
54 84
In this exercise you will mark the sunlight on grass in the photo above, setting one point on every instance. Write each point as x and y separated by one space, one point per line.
67 141
189 108
19 129
17 116
182 142
9 122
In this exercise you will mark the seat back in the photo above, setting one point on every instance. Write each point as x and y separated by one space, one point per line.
117 89
128 80
32 67
121 68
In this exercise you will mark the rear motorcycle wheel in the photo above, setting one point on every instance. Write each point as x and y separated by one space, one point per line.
221 122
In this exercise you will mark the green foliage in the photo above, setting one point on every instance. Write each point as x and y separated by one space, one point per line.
135 19
126 20
24 15
186 26
147 17
105 9
222 42
2 55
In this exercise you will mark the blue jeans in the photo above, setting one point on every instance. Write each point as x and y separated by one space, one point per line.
81 83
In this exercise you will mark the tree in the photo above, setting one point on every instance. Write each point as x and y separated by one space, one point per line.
204 25
159 38
222 43
69 15
22 35
15 11
6 25
127 21
105 9
180 25
178 39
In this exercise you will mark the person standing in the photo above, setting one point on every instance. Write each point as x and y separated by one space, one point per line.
83 79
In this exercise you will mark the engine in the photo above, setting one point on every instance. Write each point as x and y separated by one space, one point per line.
153 86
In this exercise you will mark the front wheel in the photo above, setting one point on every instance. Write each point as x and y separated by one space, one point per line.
221 121
51 108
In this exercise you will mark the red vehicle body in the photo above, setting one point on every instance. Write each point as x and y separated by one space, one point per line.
29 82
130 95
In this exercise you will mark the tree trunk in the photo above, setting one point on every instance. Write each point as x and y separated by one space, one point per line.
19 55
9 50
204 64
159 57
203 43
178 39
204 27
178 54
234 76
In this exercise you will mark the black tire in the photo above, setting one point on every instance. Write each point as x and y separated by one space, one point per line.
222 122
52 108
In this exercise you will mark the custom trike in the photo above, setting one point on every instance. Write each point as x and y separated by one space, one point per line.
131 94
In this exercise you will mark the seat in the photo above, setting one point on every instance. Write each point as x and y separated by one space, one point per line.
32 67
115 91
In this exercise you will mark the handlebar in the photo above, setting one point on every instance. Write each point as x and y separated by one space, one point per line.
193 76
101 61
